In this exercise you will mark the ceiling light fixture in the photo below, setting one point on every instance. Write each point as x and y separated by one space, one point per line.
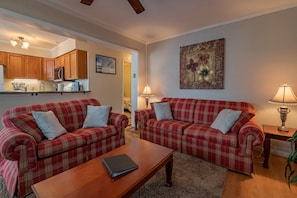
20 41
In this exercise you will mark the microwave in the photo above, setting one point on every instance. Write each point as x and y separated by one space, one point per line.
59 74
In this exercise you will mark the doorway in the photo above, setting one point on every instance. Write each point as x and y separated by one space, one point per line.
128 90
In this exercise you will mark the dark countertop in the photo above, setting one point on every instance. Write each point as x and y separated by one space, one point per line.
42 92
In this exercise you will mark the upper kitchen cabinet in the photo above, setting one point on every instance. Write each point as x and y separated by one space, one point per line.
15 66
3 58
48 69
76 65
60 61
33 67
22 66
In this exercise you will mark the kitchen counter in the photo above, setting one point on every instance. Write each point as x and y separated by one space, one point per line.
42 92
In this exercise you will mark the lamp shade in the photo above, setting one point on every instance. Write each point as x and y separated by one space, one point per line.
147 91
284 96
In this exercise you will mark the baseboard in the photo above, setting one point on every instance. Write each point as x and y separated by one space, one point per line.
280 153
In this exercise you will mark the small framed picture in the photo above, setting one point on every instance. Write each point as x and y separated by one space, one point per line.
105 64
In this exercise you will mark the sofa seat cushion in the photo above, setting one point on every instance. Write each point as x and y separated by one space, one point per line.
173 126
96 134
205 132
61 144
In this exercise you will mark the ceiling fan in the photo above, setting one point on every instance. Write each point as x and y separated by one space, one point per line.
136 5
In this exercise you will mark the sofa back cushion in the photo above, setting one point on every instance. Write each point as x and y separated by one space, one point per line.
71 114
58 109
206 111
77 112
182 108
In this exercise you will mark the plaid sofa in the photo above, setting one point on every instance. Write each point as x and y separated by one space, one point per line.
190 132
28 157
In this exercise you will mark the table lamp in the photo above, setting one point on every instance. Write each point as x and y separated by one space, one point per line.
147 93
284 96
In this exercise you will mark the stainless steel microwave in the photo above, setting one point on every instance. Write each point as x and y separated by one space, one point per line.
59 74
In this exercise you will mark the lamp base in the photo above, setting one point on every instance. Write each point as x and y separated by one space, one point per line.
283 110
283 128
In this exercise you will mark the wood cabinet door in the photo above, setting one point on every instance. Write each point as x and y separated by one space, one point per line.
3 58
81 64
60 61
33 67
48 69
76 65
15 66
67 67
73 64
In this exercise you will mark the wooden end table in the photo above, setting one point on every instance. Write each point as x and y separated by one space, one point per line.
272 132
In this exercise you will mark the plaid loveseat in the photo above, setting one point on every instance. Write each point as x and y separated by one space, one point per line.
190 132
28 157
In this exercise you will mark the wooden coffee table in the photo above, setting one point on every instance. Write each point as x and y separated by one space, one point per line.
92 180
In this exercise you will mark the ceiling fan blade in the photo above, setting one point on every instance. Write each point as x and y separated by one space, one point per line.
87 2
137 6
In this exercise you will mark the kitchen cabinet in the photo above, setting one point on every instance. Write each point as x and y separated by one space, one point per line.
76 65
67 69
33 67
15 66
22 66
60 61
48 69
3 58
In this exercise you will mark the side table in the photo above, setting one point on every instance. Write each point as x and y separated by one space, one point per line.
271 132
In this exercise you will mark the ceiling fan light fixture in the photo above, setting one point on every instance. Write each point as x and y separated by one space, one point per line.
13 42
20 41
25 45
87 2
137 6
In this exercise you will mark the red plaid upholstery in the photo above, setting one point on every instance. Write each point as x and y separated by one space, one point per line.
190 132
27 123
244 118
25 160
204 132
60 144
182 108
206 111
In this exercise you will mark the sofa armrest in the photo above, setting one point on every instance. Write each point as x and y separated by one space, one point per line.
143 116
18 146
120 121
250 134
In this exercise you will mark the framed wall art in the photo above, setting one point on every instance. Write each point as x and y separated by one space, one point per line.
105 64
202 65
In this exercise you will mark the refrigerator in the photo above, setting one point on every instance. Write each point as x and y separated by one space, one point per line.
1 78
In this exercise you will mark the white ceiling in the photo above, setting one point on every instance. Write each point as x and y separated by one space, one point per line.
162 19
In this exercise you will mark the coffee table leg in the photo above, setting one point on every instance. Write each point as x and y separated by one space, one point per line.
169 166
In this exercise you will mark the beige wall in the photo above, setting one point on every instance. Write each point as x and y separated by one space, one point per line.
260 55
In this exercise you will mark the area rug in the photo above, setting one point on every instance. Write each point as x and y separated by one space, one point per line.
191 177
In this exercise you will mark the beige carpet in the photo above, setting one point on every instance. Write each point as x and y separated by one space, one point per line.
192 177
